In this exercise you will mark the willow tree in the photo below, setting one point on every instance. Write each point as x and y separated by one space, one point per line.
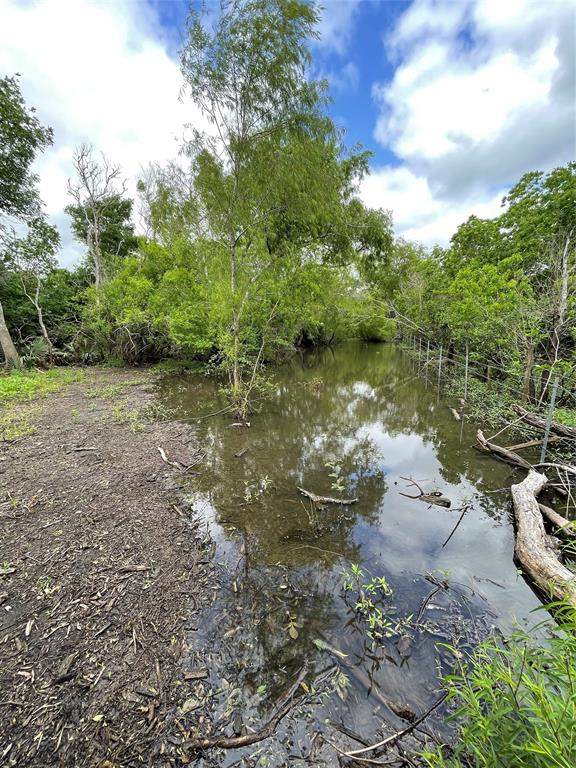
272 188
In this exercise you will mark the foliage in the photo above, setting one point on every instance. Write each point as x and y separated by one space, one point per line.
516 702
21 137
114 213
25 385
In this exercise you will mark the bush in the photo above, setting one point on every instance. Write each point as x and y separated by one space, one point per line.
516 702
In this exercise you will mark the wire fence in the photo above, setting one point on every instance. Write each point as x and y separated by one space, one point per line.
439 363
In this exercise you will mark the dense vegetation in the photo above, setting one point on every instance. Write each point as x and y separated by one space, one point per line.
256 241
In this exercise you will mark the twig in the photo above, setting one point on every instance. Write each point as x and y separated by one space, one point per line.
399 734
465 509
325 499
235 742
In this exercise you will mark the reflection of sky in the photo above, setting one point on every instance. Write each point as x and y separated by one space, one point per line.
379 424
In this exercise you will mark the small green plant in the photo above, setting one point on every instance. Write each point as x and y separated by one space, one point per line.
337 482
516 701
14 426
24 385
253 491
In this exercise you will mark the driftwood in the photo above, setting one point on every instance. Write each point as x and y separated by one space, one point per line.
533 443
283 706
532 547
538 421
320 500
501 453
566 527
434 497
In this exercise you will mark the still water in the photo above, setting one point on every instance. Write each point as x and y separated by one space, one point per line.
361 414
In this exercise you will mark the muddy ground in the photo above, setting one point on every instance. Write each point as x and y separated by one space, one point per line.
103 571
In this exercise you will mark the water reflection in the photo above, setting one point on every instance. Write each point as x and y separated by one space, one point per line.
363 409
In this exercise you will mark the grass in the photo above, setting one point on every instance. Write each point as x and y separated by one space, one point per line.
13 426
516 702
25 385
566 416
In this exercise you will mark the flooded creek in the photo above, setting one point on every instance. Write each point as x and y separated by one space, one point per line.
350 423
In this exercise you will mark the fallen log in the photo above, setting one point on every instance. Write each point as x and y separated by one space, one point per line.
565 527
501 453
533 551
537 421
320 500
533 443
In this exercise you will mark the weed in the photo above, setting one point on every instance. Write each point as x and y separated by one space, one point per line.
13 426
516 701
24 385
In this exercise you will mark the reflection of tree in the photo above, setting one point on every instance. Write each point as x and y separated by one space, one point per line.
328 406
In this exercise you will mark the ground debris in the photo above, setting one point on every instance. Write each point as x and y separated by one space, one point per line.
97 575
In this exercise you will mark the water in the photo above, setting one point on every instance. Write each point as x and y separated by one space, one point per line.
362 410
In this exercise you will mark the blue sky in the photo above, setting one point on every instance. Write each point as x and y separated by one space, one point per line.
455 98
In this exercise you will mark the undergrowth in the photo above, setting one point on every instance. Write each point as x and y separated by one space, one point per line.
24 385
516 702
13 426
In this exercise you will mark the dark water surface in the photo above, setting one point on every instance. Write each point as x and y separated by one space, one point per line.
363 408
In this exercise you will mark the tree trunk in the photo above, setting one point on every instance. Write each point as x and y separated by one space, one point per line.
532 548
41 317
8 348
527 381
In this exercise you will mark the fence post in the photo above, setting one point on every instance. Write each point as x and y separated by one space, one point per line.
549 419
439 369
466 375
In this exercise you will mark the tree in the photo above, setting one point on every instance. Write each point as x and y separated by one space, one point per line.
21 137
100 214
271 190
32 258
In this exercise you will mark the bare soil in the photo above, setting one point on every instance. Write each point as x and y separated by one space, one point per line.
102 572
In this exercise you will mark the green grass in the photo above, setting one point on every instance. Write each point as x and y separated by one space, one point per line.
516 702
25 385
566 416
15 426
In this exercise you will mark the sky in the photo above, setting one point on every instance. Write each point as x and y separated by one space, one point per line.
456 99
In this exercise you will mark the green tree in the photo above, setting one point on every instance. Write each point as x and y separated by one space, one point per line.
32 257
271 190
21 138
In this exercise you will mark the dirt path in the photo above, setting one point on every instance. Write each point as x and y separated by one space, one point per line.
102 569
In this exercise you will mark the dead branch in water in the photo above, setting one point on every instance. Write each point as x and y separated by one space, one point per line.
565 527
537 421
434 497
235 742
465 509
501 453
533 550
325 499
396 736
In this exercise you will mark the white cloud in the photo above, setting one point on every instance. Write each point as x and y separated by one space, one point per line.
96 72
337 24
419 215
483 91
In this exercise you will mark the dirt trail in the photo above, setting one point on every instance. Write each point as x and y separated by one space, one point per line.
102 570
